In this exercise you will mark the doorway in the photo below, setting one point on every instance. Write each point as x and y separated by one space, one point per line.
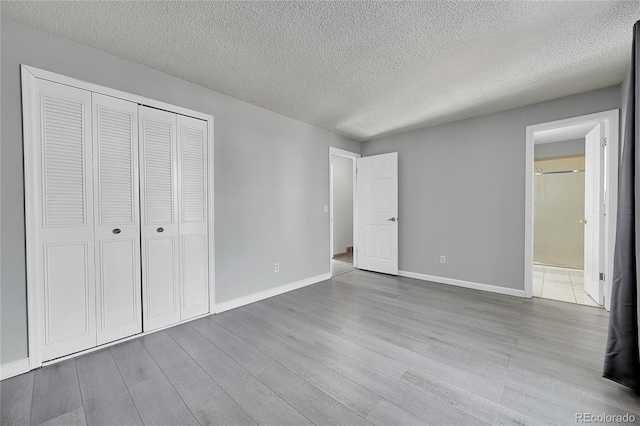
342 208
570 208
559 211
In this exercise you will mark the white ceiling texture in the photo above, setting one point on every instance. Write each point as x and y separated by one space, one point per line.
364 69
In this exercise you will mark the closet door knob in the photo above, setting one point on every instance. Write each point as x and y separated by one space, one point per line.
160 229
116 231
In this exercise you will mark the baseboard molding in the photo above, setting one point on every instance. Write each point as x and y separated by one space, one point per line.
14 368
461 283
256 297
117 342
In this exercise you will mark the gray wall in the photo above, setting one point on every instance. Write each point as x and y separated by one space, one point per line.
342 203
558 149
461 190
271 176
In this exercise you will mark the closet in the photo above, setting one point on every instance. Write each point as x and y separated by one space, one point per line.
117 226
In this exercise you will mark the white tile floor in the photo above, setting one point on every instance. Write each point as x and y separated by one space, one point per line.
560 284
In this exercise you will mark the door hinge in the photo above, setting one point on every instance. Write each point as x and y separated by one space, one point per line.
604 141
601 276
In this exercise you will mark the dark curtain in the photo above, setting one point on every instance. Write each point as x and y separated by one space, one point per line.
622 358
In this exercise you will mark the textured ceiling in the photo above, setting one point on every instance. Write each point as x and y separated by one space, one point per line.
362 69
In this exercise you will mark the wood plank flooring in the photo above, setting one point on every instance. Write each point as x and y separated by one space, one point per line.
361 348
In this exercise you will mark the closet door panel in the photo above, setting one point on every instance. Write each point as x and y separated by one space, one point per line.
195 289
158 190
67 295
64 231
161 254
119 296
192 181
118 277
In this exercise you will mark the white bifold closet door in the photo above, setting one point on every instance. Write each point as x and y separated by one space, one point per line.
173 189
118 230
64 231
192 181
117 220
159 201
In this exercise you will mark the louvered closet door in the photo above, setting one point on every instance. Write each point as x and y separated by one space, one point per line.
192 196
117 221
159 213
64 219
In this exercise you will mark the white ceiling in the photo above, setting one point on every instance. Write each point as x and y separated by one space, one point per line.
362 69
576 131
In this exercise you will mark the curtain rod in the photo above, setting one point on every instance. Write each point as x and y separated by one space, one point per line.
558 172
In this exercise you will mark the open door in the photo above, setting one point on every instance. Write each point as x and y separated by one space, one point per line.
592 211
377 187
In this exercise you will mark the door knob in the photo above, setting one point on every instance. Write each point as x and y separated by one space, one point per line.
583 221
160 229
116 231
393 219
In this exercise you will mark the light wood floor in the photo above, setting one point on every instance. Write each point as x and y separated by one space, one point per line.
361 348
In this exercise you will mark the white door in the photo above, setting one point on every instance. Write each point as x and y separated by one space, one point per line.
592 201
117 221
192 196
64 219
377 187
159 214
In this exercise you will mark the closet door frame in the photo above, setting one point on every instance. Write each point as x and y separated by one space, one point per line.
29 77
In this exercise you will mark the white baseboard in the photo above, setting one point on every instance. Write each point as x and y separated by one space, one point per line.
256 297
14 368
461 283
117 342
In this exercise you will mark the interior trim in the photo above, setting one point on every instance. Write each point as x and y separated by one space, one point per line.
261 295
14 368
461 283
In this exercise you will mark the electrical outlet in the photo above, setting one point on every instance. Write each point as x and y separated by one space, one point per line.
277 267
443 259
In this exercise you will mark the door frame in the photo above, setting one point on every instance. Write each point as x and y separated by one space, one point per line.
29 75
610 120
353 156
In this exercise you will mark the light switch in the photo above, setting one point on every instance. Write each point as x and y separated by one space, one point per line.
326 209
